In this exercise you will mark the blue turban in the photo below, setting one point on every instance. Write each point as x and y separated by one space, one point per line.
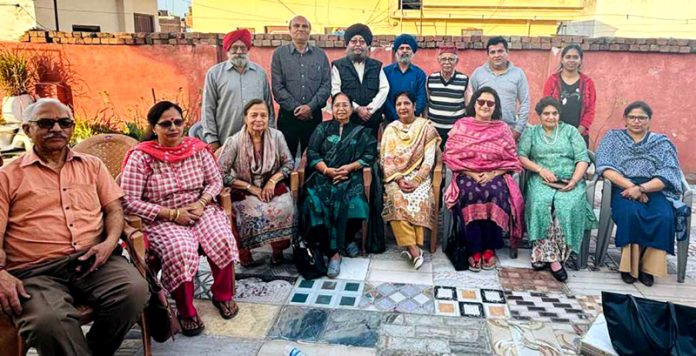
407 39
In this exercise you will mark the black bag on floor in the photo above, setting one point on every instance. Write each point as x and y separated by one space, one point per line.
308 258
639 326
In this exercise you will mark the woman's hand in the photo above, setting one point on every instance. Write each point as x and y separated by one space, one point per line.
476 176
256 191
547 176
268 191
632 193
407 186
570 186
488 176
186 218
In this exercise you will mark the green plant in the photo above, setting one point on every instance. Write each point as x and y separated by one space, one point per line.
83 130
15 72
135 130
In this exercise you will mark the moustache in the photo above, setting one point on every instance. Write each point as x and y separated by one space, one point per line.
56 136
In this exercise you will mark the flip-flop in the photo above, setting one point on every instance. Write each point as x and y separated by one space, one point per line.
191 326
228 310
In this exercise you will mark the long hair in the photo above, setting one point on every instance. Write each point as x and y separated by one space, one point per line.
497 111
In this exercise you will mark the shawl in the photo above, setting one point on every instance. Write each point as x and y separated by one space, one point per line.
403 151
479 146
246 165
188 147
654 156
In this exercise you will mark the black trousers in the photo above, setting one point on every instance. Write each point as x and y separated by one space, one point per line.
297 131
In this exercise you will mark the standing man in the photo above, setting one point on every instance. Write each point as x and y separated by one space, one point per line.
229 86
446 93
405 76
301 81
506 79
361 77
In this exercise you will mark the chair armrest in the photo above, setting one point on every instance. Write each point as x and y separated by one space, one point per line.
295 184
134 221
301 170
367 181
225 200
437 176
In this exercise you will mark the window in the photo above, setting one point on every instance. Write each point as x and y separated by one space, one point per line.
144 23
410 4
86 28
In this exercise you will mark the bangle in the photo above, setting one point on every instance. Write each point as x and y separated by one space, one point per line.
540 169
171 214
641 188
177 215
247 186
203 203
325 169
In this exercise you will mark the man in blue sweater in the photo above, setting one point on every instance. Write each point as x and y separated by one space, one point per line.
405 76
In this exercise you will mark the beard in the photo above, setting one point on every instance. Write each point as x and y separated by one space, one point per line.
356 57
240 60
405 59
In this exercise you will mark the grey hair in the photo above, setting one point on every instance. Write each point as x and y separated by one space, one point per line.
297 17
30 111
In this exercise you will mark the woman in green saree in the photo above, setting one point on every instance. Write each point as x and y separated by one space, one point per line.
334 204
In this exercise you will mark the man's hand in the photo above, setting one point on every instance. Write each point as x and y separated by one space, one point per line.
303 112
364 112
11 289
214 146
101 253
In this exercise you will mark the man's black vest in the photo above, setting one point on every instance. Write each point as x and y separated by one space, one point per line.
361 93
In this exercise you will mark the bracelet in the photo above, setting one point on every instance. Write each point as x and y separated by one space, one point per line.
641 188
325 169
203 203
247 186
177 215
171 214
540 169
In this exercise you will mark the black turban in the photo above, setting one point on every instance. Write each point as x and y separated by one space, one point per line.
358 29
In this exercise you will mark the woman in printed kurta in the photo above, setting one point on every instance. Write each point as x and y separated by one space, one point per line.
644 170
334 204
254 162
170 182
407 156
557 216
482 154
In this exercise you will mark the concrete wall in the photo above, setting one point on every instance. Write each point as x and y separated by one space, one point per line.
117 82
16 18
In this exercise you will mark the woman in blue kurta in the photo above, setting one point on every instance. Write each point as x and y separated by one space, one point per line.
644 170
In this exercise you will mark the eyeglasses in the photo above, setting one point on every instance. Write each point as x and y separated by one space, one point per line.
489 103
640 118
64 123
238 49
447 59
358 42
168 123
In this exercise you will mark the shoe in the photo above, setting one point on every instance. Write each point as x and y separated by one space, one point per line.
646 279
251 263
352 250
489 260
561 275
475 263
228 310
626 277
540 266
334 268
418 261
191 326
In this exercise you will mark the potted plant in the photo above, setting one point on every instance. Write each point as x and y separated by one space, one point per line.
15 81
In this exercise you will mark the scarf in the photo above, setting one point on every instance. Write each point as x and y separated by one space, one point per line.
246 165
403 151
482 146
188 147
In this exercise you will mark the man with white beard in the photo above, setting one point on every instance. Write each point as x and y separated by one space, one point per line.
404 76
229 86
360 77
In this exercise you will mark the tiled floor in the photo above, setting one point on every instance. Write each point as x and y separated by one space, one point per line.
380 306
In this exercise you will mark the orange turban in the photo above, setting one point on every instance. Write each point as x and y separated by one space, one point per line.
240 35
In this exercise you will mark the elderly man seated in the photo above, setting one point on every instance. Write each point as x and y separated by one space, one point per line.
60 222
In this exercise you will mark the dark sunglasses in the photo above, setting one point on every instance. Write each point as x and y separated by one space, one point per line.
167 124
64 123
489 103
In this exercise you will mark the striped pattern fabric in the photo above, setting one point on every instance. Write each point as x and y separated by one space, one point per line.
446 100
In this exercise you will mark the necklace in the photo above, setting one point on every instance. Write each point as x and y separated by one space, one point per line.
555 137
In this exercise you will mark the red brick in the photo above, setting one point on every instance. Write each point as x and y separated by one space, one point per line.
654 48
684 49
644 47
275 43
339 44
545 45
266 43
662 41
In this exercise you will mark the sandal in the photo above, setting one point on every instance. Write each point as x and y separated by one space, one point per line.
489 260
277 260
418 261
191 326
540 266
352 250
475 262
334 268
228 310
250 264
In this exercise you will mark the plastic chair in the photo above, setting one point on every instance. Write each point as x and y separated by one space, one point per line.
606 227
109 148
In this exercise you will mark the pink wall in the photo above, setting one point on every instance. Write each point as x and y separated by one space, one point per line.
125 76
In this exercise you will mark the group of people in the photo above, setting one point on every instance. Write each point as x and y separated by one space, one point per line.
60 209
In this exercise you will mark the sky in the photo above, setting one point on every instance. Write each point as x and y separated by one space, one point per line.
176 7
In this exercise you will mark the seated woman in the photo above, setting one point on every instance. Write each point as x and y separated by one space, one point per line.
644 170
170 182
407 157
556 210
254 162
334 204
482 155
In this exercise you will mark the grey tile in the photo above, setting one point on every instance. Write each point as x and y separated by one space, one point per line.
296 323
352 327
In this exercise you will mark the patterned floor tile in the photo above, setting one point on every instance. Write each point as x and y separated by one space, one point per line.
477 303
206 345
468 279
352 327
256 290
296 323
591 305
412 334
398 297
522 279
569 337
511 337
551 307
253 320
326 293
287 269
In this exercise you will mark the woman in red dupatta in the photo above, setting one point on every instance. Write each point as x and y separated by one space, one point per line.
482 153
170 182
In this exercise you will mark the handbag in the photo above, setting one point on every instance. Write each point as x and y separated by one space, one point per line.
639 326
162 323
308 258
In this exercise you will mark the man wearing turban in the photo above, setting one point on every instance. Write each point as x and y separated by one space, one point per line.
405 76
229 86
361 77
